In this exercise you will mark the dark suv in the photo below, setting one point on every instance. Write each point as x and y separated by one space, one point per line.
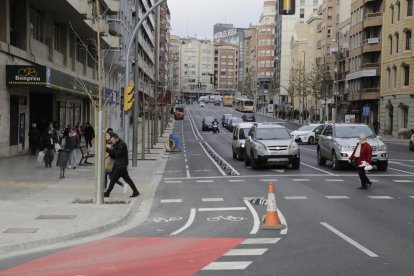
207 123
249 118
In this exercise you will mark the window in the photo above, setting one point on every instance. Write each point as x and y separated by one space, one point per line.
329 12
392 14
329 31
37 25
390 43
56 38
302 2
398 10
315 3
302 13
394 70
409 7
397 39
408 38
406 71
389 77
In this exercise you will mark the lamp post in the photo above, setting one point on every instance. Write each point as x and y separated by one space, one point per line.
303 88
336 83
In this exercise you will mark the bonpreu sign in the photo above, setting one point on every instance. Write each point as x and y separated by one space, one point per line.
27 75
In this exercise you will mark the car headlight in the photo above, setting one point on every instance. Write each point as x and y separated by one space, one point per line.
260 147
293 146
242 145
344 148
382 147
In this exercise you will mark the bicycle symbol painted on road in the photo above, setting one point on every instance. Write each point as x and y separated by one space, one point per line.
158 219
229 218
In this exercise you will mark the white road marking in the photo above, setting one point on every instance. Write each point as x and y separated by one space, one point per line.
380 197
171 200
212 160
256 219
185 160
212 199
402 164
173 181
201 170
349 240
268 180
318 169
188 223
400 170
227 266
188 173
283 221
337 197
302 148
177 171
246 252
279 171
301 180
412 197
334 180
204 181
403 181
186 166
374 180
403 160
295 197
192 128
236 180
261 241
222 209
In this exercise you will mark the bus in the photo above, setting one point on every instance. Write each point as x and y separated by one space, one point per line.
244 105
228 101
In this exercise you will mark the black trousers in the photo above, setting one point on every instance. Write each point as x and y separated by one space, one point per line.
50 154
117 173
363 177
88 142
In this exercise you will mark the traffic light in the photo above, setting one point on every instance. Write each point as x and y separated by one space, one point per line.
287 7
129 96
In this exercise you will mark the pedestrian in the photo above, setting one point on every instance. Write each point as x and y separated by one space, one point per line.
34 138
360 158
71 144
66 131
47 142
118 151
376 126
89 134
109 163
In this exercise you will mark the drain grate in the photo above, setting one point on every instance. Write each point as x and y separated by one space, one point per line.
18 230
56 217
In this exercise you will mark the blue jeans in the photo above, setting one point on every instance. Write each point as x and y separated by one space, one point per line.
72 157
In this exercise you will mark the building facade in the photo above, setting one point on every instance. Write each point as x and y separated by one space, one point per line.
250 63
397 67
226 63
174 65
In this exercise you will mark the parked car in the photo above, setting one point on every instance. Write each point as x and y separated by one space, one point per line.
271 143
207 123
202 104
240 132
308 133
224 119
411 145
337 142
232 122
249 118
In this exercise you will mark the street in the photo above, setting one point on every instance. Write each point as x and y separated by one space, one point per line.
202 222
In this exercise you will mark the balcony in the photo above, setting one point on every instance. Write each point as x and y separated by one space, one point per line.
365 73
371 45
112 5
82 6
319 27
365 94
371 65
372 19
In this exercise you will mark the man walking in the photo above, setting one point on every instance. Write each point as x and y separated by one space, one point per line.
119 152
34 138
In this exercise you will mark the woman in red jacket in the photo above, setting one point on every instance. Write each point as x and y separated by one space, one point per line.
363 152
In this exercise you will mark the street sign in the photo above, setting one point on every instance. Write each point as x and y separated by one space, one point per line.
365 111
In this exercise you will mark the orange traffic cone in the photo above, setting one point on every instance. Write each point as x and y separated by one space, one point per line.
272 220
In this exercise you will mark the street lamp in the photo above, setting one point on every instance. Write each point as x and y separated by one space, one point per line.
336 83
303 87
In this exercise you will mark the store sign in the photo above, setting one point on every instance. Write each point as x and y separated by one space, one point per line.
27 75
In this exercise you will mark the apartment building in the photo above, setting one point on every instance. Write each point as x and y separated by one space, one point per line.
196 66
250 63
173 82
397 67
226 63
365 59
164 60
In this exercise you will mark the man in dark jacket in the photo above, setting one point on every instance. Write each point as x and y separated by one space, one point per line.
47 142
89 134
119 152
34 138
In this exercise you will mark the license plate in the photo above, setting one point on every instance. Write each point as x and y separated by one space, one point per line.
282 152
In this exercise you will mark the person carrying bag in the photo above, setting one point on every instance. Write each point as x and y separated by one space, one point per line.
361 158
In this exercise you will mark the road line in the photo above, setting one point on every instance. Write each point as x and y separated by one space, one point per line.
400 171
171 201
188 173
204 181
268 180
349 240
403 181
222 209
374 180
261 241
188 223
402 164
334 180
212 160
283 221
185 160
227 266
301 180
173 181
318 169
295 197
212 199
192 125
186 166
380 197
236 180
256 219
337 197
412 197
246 252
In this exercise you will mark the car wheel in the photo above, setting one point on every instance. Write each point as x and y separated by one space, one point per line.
255 162
234 154
335 162
295 164
321 160
411 146
246 160
311 140
382 166
240 156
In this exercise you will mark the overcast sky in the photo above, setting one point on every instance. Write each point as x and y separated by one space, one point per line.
190 17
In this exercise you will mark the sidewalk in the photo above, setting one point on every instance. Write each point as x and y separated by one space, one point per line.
40 209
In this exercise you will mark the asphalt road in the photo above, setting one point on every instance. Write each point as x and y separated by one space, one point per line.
202 223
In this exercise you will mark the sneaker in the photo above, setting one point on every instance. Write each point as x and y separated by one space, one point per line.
135 194
74 167
70 166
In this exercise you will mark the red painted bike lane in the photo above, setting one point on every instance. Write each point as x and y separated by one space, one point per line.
130 256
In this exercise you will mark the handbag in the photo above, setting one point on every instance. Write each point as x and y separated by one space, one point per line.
109 164
57 147
40 157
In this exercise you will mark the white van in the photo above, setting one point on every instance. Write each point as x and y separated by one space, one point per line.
240 133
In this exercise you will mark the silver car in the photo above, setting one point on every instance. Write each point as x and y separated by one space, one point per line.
337 142
271 143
